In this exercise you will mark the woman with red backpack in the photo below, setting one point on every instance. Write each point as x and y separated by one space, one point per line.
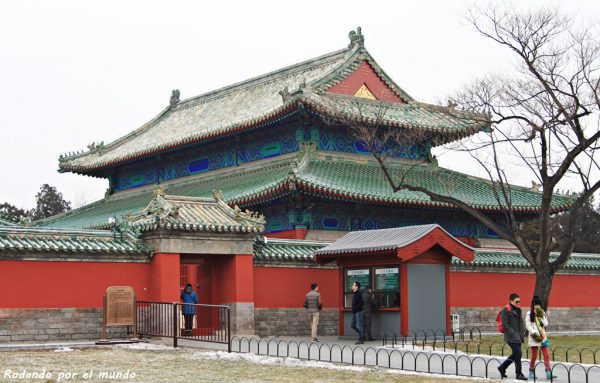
536 322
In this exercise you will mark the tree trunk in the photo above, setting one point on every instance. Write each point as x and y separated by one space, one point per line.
543 284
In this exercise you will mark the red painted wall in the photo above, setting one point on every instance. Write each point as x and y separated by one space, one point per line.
364 74
27 284
493 289
235 279
165 277
289 234
287 287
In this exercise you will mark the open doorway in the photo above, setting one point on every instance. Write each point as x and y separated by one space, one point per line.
199 272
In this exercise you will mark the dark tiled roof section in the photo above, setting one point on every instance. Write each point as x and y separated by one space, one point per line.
378 240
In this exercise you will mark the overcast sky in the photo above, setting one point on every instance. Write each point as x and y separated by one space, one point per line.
80 71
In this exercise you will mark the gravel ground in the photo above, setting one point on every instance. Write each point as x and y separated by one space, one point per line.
156 363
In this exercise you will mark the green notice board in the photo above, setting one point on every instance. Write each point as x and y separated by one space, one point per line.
363 276
387 279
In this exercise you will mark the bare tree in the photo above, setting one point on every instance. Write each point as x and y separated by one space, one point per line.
544 119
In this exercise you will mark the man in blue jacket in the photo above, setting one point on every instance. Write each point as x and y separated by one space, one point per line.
189 298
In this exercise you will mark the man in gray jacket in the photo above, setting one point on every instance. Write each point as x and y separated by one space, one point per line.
313 304
514 335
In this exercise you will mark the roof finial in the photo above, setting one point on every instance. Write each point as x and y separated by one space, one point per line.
356 38
174 98
159 191
218 194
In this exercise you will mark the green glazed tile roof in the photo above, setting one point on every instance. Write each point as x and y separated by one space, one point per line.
275 249
218 112
451 125
496 258
7 221
248 182
349 177
195 214
262 100
364 180
17 239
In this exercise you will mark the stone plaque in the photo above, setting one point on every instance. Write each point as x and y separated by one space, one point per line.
119 306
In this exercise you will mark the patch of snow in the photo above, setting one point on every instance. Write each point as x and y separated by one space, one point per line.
275 360
144 346
294 362
64 349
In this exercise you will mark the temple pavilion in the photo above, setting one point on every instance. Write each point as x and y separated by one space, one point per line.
274 151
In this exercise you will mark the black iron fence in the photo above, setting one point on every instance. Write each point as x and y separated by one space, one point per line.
206 323
421 361
469 341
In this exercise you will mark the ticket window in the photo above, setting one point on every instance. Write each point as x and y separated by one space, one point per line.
384 280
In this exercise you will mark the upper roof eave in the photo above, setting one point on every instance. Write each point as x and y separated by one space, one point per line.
318 73
66 162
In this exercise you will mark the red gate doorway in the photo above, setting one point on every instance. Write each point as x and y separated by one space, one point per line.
199 271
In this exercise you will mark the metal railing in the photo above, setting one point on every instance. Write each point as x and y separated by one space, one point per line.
206 323
468 341
402 359
428 336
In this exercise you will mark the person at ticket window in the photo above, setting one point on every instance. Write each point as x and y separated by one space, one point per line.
189 298
369 306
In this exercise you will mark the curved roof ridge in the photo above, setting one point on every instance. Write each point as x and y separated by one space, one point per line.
259 80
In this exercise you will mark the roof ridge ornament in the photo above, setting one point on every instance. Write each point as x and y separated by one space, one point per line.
218 194
285 94
159 191
356 38
174 98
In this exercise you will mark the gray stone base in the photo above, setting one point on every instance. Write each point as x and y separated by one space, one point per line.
42 325
293 322
242 318
560 318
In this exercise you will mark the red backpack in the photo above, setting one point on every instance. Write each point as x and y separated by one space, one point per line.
499 319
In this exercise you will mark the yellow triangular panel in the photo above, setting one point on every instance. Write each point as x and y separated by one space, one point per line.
364 92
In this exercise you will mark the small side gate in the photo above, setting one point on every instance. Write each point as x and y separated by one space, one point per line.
208 323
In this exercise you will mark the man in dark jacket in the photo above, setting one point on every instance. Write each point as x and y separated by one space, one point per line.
514 333
368 308
357 317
